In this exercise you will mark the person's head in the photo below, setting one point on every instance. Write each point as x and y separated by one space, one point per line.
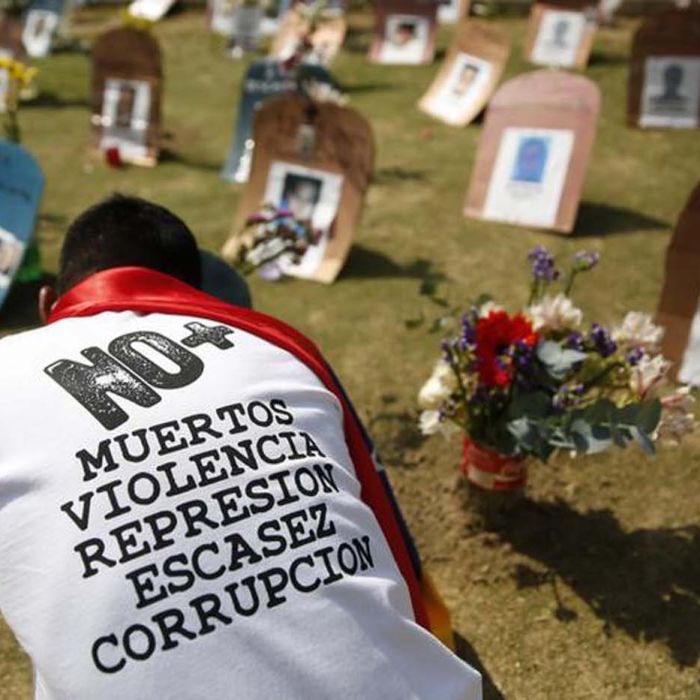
673 77
122 231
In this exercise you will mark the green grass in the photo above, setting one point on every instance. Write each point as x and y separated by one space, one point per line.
593 590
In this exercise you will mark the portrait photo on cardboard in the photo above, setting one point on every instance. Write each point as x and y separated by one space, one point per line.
560 36
469 74
316 159
679 304
126 95
404 32
534 150
311 195
664 75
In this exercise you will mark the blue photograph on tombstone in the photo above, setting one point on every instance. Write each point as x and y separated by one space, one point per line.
264 79
531 159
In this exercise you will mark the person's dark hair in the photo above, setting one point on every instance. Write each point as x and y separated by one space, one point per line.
122 231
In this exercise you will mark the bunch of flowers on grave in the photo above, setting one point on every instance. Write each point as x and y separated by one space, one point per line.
522 385
313 14
271 239
18 78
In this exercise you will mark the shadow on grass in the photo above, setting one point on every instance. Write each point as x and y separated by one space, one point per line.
365 263
54 101
366 88
358 40
645 582
396 433
396 173
596 219
168 155
599 58
467 653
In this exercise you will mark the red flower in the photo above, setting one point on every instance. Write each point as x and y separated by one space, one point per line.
496 334
113 157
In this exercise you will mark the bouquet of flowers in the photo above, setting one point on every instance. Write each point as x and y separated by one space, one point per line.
525 384
269 237
19 77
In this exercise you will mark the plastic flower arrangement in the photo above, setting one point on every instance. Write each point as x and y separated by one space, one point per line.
270 237
528 383
19 76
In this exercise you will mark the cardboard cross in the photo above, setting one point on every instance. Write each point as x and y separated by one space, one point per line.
679 306
21 186
317 160
126 94
664 77
264 79
404 32
560 34
326 39
469 75
533 151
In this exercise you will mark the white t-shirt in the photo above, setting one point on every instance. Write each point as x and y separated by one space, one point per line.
180 518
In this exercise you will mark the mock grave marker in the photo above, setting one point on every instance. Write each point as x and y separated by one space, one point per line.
560 34
404 32
126 94
40 25
315 159
326 39
469 75
679 306
21 186
151 10
264 79
533 151
452 11
664 78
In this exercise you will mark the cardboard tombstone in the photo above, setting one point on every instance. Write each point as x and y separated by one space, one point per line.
21 186
152 10
11 46
326 39
469 75
40 25
560 34
679 306
126 94
220 16
404 32
315 159
664 78
452 11
264 79
533 151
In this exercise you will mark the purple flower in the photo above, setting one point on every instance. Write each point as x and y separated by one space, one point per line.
585 260
567 396
543 268
574 341
600 337
635 355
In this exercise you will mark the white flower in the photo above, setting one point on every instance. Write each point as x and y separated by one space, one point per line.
639 330
555 313
649 374
439 387
677 418
430 424
487 307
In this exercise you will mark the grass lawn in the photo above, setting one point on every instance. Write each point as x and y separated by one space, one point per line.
592 590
